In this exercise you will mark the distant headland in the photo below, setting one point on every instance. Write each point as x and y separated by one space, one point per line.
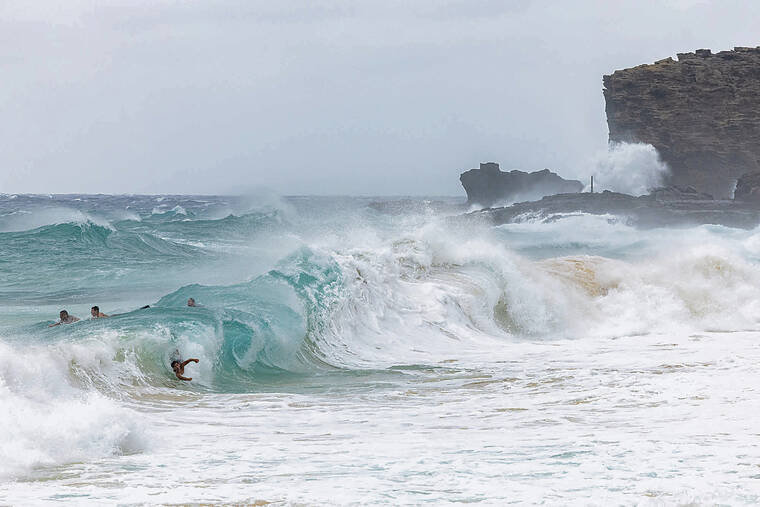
702 114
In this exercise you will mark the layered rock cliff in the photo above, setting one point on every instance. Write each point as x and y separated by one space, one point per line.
748 188
490 186
701 113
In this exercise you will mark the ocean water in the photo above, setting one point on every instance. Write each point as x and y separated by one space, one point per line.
372 351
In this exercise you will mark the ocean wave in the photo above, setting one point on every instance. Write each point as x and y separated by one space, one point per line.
175 212
420 301
124 216
92 240
47 421
25 220
228 227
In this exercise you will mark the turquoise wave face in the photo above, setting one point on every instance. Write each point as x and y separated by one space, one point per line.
273 322
244 334
66 251
124 252
333 286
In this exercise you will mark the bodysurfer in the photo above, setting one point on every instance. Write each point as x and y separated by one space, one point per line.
96 313
65 319
179 368
191 302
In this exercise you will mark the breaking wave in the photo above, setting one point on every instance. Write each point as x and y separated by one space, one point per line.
416 299
352 300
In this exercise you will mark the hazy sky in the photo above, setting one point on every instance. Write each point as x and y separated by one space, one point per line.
321 97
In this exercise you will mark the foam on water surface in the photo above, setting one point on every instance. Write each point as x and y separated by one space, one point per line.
351 356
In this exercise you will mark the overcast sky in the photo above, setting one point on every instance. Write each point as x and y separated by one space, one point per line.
321 97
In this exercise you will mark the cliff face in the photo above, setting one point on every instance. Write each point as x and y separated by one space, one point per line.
701 113
489 185
748 188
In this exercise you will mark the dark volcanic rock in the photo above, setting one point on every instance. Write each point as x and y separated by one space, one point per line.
673 193
489 185
701 113
646 211
748 188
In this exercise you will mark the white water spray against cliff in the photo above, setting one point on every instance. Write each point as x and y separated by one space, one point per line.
629 168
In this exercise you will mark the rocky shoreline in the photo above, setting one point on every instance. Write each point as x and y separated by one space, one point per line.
702 115
646 212
701 112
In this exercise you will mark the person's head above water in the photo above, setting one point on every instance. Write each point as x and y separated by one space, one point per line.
65 319
191 302
96 313
175 365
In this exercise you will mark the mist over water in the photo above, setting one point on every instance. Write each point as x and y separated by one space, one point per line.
372 342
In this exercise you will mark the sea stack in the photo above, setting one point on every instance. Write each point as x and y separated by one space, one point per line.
701 112
489 185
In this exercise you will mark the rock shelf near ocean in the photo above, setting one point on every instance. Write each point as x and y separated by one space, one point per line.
665 207
701 112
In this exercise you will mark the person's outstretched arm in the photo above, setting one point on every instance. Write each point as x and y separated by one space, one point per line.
56 324
191 360
181 377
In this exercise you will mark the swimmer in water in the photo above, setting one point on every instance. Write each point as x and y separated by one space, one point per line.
96 313
65 319
191 302
179 368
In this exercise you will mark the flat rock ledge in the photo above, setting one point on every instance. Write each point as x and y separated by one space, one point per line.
671 209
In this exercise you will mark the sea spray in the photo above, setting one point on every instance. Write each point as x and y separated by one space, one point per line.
630 168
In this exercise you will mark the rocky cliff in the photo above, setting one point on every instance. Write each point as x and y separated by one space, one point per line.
748 188
490 186
701 112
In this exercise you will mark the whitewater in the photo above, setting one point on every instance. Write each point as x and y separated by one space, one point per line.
357 350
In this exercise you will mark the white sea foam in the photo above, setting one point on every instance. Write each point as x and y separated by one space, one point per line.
119 215
443 293
573 361
48 421
161 210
